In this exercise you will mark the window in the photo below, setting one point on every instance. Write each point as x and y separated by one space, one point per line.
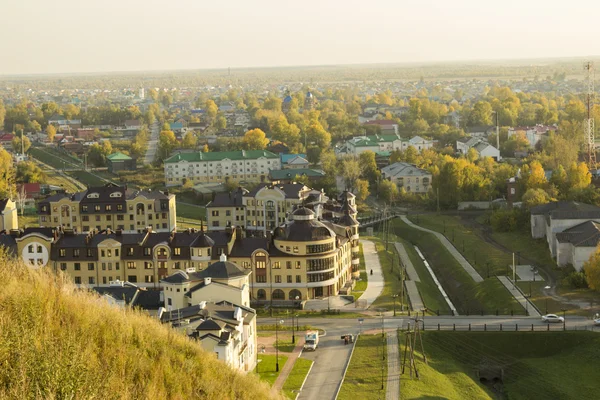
120 217
277 278
116 252
77 266
97 218
109 217
177 265
228 213
295 249
276 265
298 265
215 223
30 248
117 266
147 251
78 280
261 278
104 280
103 266
130 251
177 251
92 280
288 264
298 279
108 207
84 208
147 265
39 250
90 266
89 253
119 207
63 266
132 278
97 208
149 278
289 279
103 252
130 265
109 253
62 252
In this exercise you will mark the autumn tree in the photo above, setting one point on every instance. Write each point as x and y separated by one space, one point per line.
51 132
481 114
29 172
350 169
166 143
205 148
592 270
579 176
7 174
21 144
221 122
535 197
255 139
361 189
388 191
189 140
98 152
368 165
211 110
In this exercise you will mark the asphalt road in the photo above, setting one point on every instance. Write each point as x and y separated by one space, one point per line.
152 144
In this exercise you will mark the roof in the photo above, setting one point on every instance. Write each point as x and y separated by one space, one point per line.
176 125
563 207
3 203
287 99
472 129
373 140
221 155
481 146
291 190
304 228
403 169
279 174
287 157
118 156
229 199
586 234
224 270
9 243
387 122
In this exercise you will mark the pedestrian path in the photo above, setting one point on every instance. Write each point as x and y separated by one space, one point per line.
376 282
410 268
413 296
455 253
287 368
392 391
518 295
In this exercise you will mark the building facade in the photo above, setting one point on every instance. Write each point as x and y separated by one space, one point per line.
198 167
408 176
9 218
110 207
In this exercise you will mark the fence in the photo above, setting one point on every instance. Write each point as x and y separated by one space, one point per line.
503 327
469 313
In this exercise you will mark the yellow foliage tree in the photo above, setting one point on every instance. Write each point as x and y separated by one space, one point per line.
255 139
592 270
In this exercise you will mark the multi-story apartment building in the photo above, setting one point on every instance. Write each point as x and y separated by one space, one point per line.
199 167
408 176
110 207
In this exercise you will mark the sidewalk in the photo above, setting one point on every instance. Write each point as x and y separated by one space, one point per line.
375 283
516 293
410 268
459 257
287 368
392 391
413 295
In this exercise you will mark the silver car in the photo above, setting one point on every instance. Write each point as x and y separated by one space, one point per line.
552 318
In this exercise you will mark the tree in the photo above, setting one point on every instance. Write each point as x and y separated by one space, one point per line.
410 155
166 143
189 140
153 94
98 153
361 189
535 197
21 144
29 172
472 154
368 166
255 139
2 113
536 178
7 174
579 176
205 148
396 156
559 179
328 162
211 110
481 114
388 191
51 132
351 170
221 122
592 270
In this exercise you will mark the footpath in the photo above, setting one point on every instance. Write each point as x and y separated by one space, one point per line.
518 295
450 247
392 391
411 284
287 368
375 283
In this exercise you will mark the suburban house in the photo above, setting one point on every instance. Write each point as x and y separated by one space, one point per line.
547 220
481 145
408 176
6 140
382 143
387 126
418 143
533 134
9 218
575 245
294 161
118 161
128 295
465 143
278 176
133 124
226 208
481 131
222 328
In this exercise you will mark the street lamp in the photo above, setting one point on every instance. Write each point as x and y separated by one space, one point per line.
394 296
293 335
277 344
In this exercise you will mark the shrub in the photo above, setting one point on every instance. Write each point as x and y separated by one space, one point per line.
576 280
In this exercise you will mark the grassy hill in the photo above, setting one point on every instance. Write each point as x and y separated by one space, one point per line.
57 342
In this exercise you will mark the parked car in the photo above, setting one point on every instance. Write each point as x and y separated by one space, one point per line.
597 322
552 318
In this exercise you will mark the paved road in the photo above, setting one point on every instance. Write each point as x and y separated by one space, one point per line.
392 390
376 282
455 253
152 144
518 295
330 360
410 268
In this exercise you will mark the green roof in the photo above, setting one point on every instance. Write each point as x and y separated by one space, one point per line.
374 140
291 173
118 156
221 155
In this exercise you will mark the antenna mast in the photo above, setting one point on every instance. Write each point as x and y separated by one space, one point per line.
588 123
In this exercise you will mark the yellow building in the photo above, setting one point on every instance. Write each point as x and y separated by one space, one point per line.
9 219
110 207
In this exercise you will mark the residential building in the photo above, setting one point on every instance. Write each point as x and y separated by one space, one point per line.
9 218
387 126
6 140
408 176
118 161
576 245
465 143
226 208
109 207
484 149
533 134
418 143
382 143
198 167
481 132
222 328
280 176
128 295
294 161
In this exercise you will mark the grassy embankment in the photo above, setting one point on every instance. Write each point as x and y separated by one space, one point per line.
361 285
364 376
58 342
548 365
296 377
467 296
266 368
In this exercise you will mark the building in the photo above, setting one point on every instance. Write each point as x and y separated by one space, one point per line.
387 126
310 101
408 176
118 161
533 134
226 208
9 218
481 132
465 143
109 207
382 143
289 175
128 295
484 149
576 245
198 167
294 161
222 328
6 140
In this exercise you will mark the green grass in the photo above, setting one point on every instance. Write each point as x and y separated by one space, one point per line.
296 377
54 158
192 212
363 378
28 220
267 367
361 285
87 178
466 295
58 342
543 365
391 273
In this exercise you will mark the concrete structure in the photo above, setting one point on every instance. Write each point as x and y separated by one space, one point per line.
575 245
198 167
109 207
408 176
118 161
9 218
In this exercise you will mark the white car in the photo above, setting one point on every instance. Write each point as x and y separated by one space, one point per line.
597 322
552 318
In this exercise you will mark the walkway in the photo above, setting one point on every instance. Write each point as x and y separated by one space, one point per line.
459 257
518 295
289 364
413 295
392 391
410 268
376 282
152 144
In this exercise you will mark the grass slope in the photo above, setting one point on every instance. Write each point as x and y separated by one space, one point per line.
363 378
296 377
57 342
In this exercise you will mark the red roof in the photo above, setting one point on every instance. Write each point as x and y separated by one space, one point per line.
381 122
31 189
7 137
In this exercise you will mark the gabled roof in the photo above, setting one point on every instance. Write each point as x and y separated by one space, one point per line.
221 155
586 234
229 199
383 122
281 174
563 207
403 169
285 158
118 156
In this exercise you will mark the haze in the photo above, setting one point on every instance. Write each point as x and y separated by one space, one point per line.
133 35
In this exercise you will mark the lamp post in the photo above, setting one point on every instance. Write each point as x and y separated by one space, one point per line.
293 335
277 344
394 296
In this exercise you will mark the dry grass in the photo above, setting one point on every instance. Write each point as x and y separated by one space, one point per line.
60 343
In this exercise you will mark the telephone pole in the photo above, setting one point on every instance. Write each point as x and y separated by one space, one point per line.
588 123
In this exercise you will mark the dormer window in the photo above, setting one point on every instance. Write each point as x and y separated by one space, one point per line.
93 196
116 194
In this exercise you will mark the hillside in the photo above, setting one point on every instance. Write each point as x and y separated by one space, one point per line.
57 342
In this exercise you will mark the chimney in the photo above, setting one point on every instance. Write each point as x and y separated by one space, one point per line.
223 257
202 304
207 281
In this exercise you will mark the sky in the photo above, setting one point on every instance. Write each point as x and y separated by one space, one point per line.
61 36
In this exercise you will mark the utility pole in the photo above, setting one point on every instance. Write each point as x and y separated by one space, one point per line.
588 123
514 271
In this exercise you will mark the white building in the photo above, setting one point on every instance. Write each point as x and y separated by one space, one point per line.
533 134
575 245
9 218
408 176
198 167
482 146
382 143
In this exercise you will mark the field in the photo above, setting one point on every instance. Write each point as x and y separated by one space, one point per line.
488 296
533 366
296 377
364 376
87 178
54 158
189 211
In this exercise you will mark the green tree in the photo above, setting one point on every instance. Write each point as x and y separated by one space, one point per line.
29 172
205 148
23 141
592 270
361 189
255 139
221 122
388 191
189 140
535 197
328 162
472 154
411 154
7 174
350 169
98 152
166 144
2 113
368 166
481 115
153 94
559 179
536 177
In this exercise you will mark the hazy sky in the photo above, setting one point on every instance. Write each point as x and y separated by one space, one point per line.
42 36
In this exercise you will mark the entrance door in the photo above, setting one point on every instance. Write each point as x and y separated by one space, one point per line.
318 292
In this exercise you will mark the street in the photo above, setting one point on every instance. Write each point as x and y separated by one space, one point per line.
152 144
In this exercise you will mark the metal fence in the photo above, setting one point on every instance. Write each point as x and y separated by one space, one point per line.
502 327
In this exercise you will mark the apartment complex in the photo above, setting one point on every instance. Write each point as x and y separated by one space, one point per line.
199 167
382 143
109 207
408 176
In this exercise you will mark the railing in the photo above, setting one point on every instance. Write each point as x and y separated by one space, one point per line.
502 327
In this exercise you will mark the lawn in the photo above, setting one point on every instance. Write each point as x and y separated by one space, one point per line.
54 158
296 378
188 211
467 296
87 178
266 367
391 275
364 376
361 285
28 220
533 365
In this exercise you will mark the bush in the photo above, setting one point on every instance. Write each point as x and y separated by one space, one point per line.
509 220
576 280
